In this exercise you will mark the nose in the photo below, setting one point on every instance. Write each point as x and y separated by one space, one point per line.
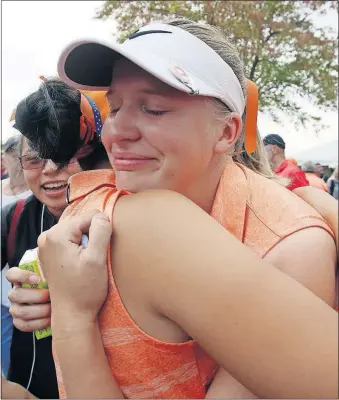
49 167
123 126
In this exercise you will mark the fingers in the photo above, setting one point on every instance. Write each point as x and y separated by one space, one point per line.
30 317
18 276
100 233
29 312
70 230
32 325
27 295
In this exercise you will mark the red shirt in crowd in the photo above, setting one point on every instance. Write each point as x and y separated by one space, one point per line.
288 170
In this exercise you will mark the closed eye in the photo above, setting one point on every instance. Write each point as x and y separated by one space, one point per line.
156 113
113 112
153 112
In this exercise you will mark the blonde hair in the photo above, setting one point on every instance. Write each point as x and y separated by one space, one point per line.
223 46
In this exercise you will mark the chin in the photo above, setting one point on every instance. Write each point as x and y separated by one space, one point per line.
137 184
59 203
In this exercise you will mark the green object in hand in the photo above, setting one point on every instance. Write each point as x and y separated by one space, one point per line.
33 266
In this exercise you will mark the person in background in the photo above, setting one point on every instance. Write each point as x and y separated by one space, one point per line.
319 170
39 212
333 184
275 149
310 171
55 108
13 189
327 173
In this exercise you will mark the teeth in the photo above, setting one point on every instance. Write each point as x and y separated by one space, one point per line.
55 186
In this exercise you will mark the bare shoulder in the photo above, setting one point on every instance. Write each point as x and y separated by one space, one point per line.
310 257
146 213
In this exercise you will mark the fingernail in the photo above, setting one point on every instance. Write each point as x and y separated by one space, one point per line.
34 279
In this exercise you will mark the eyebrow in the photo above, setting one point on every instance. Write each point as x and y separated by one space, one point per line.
159 91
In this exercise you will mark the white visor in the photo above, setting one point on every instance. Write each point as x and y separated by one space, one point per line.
171 54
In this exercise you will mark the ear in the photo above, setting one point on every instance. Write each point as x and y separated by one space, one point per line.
230 134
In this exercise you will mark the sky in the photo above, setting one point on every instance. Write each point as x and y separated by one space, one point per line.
35 32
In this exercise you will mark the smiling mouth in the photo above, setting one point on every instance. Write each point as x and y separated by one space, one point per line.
54 187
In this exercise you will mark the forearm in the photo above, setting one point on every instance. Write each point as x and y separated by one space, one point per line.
83 364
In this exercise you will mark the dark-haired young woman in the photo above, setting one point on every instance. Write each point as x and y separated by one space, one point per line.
53 112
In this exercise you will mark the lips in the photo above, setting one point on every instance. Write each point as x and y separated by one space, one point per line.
124 155
126 161
54 186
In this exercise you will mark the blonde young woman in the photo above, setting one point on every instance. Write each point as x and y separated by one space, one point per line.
174 276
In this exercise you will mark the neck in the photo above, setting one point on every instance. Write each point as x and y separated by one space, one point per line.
203 192
56 212
277 161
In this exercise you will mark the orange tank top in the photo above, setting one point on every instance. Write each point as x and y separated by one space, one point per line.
257 211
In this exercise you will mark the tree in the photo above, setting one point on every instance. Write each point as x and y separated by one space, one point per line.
283 51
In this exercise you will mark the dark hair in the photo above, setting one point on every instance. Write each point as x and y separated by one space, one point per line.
274 139
50 120
98 155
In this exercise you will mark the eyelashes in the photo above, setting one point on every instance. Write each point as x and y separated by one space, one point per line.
154 112
144 109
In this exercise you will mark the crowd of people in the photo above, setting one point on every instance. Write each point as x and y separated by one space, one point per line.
210 264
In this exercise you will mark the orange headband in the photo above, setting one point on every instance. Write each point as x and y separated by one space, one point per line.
98 99
87 124
251 117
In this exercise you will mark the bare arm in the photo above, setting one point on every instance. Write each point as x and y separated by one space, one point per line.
84 366
324 203
309 256
255 319
317 275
